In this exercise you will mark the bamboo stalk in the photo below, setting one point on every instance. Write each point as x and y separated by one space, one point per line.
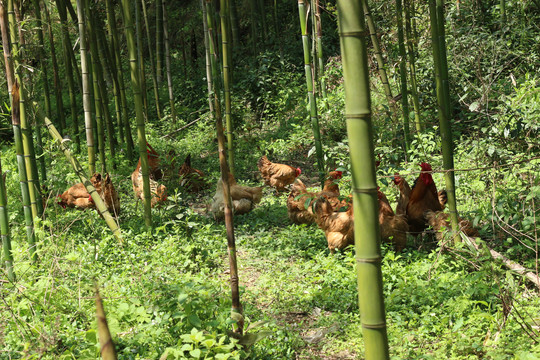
86 89
159 41
409 7
443 101
4 229
208 61
168 64
320 57
27 209
403 75
100 205
106 343
311 94
137 97
367 236
224 15
138 35
236 307
151 58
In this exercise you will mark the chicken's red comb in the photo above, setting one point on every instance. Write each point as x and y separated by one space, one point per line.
298 172
425 166
397 178
339 174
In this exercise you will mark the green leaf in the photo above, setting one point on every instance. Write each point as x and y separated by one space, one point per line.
250 339
195 353
194 320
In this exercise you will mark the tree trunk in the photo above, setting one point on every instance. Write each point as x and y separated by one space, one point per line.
403 75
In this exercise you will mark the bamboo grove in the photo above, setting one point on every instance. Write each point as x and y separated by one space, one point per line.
67 65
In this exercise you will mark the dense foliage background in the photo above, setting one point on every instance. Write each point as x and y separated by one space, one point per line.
167 289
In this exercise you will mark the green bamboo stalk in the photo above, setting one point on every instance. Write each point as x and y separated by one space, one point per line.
4 229
403 75
208 60
409 7
138 35
168 63
311 94
502 5
436 14
106 343
8 60
111 22
320 57
137 97
234 24
85 69
45 83
96 75
159 41
151 58
359 128
236 307
27 207
113 70
27 139
66 45
379 58
253 27
224 15
100 205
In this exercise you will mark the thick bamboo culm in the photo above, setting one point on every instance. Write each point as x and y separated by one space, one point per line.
236 307
353 34
138 36
208 61
100 205
4 229
86 89
443 101
320 57
139 115
27 208
34 189
151 58
311 94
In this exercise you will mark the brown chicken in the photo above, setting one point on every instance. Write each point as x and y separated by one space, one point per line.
157 191
296 204
154 165
338 226
443 198
393 227
190 178
277 175
108 193
423 197
244 198
76 197
404 193
440 223
298 196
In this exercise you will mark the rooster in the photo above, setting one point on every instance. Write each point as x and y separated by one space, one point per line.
109 195
338 226
190 178
157 191
423 197
443 198
276 175
244 198
393 227
439 222
404 193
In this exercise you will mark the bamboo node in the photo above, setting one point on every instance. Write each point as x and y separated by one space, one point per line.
374 326
376 260
365 191
354 33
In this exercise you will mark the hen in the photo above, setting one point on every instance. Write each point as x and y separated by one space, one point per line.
107 192
296 201
244 198
157 191
277 175
154 165
439 222
393 227
338 226
423 197
76 197
190 178
404 193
